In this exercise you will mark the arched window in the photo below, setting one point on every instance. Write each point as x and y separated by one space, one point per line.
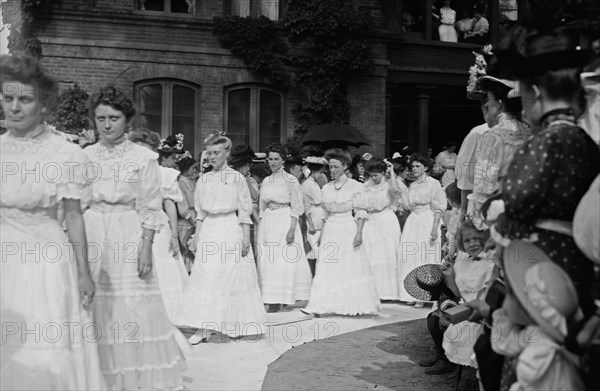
170 106
254 116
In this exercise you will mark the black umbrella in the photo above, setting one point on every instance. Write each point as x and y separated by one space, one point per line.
334 133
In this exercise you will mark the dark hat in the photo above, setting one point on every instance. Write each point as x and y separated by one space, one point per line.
172 144
426 282
186 163
551 50
294 159
241 155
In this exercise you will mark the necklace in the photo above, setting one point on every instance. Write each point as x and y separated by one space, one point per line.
339 188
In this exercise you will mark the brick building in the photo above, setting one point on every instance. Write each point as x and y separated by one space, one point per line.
163 53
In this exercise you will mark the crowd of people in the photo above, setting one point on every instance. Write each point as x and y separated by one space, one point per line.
122 243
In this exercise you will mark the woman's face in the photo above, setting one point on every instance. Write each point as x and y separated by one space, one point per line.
360 169
491 108
275 161
110 123
169 161
376 177
244 170
471 243
336 168
418 169
22 106
531 104
217 155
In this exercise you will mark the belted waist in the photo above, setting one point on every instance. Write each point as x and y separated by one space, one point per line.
560 226
276 205
223 214
421 209
108 207
28 216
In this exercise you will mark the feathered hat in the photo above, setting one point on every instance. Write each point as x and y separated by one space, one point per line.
172 144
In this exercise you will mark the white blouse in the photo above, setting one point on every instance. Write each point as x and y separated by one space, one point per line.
377 197
281 188
170 187
223 191
427 196
312 194
342 200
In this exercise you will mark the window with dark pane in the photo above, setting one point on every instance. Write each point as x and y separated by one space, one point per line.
151 107
184 114
238 116
269 118
152 5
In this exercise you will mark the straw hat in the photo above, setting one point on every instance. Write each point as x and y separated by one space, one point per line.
425 282
315 160
542 288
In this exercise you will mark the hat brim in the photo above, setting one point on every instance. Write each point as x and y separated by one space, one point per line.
552 61
240 160
169 150
417 291
518 257
476 95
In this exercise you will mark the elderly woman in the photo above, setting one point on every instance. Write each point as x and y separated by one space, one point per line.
284 271
223 293
343 283
421 237
45 278
138 345
381 231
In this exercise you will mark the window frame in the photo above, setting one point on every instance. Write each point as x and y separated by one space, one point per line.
254 8
254 117
167 85
197 15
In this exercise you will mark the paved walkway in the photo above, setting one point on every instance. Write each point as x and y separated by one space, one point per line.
225 364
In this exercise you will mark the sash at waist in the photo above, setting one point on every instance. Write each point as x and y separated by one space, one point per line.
107 207
276 205
421 209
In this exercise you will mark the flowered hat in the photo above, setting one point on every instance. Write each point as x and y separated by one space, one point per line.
476 71
542 288
425 282
172 144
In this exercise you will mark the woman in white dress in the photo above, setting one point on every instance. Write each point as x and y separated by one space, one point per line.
421 236
282 266
343 283
223 293
138 345
313 210
381 233
447 19
169 266
447 161
45 280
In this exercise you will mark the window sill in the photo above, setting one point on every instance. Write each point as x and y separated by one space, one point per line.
173 15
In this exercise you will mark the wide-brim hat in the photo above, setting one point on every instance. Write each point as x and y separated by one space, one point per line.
186 163
485 83
551 50
425 282
315 160
556 294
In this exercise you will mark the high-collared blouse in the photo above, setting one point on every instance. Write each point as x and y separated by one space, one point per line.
223 191
281 188
376 197
427 195
342 199
127 174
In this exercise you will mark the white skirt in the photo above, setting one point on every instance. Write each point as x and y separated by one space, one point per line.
171 272
447 33
459 340
223 293
283 269
381 240
343 281
316 214
416 246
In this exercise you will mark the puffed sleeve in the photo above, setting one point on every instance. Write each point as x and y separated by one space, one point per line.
487 166
200 212
439 203
73 183
148 196
244 201
296 197
465 162
170 189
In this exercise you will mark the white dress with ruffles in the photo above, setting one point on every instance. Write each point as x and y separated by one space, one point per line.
343 282
138 344
45 328
223 292
170 270
283 269
417 249
381 236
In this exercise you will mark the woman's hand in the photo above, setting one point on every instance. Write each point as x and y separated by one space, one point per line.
357 240
245 248
289 238
87 289
145 259
434 234
311 228
174 245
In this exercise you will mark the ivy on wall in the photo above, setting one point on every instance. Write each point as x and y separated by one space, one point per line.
71 115
25 16
317 49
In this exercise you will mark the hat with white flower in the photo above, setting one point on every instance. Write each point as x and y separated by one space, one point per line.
172 144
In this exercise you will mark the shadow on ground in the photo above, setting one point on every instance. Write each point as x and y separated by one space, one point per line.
378 358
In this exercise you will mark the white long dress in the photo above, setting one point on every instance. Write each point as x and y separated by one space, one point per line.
472 278
343 283
381 236
313 210
446 28
170 270
417 249
283 269
223 292
139 347
44 326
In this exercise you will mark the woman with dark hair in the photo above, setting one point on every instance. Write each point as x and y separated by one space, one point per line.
223 293
284 272
498 144
381 230
447 162
421 237
44 274
343 282
125 213
186 221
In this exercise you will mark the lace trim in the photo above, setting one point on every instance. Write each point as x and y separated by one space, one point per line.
563 115
176 362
